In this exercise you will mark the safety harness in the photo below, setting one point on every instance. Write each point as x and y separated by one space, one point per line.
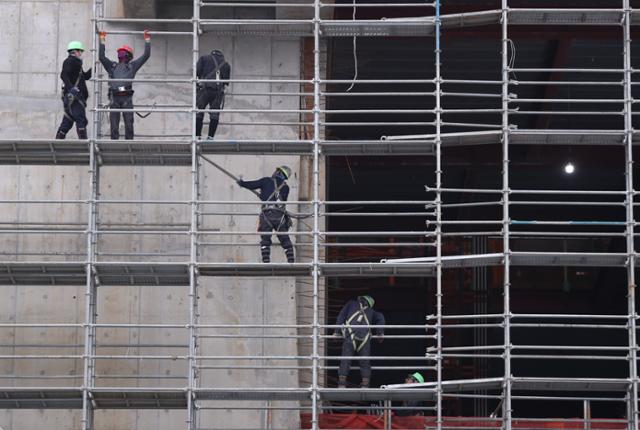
275 207
360 318
219 86
70 98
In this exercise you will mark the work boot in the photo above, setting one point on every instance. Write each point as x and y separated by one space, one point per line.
60 135
364 383
342 381
82 133
266 254
289 254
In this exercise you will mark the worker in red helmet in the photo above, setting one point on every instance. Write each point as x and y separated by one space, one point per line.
121 91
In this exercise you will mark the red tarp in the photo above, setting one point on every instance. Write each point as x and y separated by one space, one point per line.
355 421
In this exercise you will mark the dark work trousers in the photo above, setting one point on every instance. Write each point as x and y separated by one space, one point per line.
348 351
74 112
121 102
208 97
274 220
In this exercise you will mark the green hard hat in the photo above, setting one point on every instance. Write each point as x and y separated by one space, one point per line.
286 171
74 45
417 377
369 300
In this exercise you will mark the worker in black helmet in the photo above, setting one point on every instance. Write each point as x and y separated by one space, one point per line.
214 68
273 215
356 317
74 92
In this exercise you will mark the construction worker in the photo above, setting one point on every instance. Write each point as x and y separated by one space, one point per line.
356 317
411 407
121 92
74 92
273 215
214 67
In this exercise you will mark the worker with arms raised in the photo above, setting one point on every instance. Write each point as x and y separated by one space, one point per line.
121 92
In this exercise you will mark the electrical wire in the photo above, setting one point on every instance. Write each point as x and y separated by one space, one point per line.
355 52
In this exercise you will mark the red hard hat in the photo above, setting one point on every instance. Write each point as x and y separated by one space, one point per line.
126 48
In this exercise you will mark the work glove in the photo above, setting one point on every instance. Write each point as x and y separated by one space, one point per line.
103 35
147 36
239 182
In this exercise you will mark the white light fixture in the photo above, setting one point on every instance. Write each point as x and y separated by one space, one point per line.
569 168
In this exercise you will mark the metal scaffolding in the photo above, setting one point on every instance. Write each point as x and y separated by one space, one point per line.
95 261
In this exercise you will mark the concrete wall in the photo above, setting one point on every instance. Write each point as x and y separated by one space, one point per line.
32 45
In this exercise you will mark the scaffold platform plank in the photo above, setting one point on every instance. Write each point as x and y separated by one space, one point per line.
106 274
178 153
144 274
44 151
176 398
40 398
377 269
42 273
252 393
101 398
378 147
144 153
177 274
570 384
376 394
536 259
143 398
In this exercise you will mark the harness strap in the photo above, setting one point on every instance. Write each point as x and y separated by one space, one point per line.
352 335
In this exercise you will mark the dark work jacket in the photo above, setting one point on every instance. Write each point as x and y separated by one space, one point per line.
374 317
71 68
206 66
410 412
117 70
267 187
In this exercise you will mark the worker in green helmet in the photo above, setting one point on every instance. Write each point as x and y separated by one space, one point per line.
356 318
74 92
274 217
411 407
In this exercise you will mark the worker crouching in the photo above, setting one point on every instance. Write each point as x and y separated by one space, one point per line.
273 215
121 92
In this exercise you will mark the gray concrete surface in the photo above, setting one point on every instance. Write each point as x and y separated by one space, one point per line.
32 45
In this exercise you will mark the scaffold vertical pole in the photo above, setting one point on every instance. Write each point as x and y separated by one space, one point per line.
438 144
316 211
91 239
630 230
193 230
506 405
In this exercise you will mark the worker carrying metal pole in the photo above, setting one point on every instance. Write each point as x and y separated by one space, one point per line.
356 318
74 92
273 214
121 92
215 69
